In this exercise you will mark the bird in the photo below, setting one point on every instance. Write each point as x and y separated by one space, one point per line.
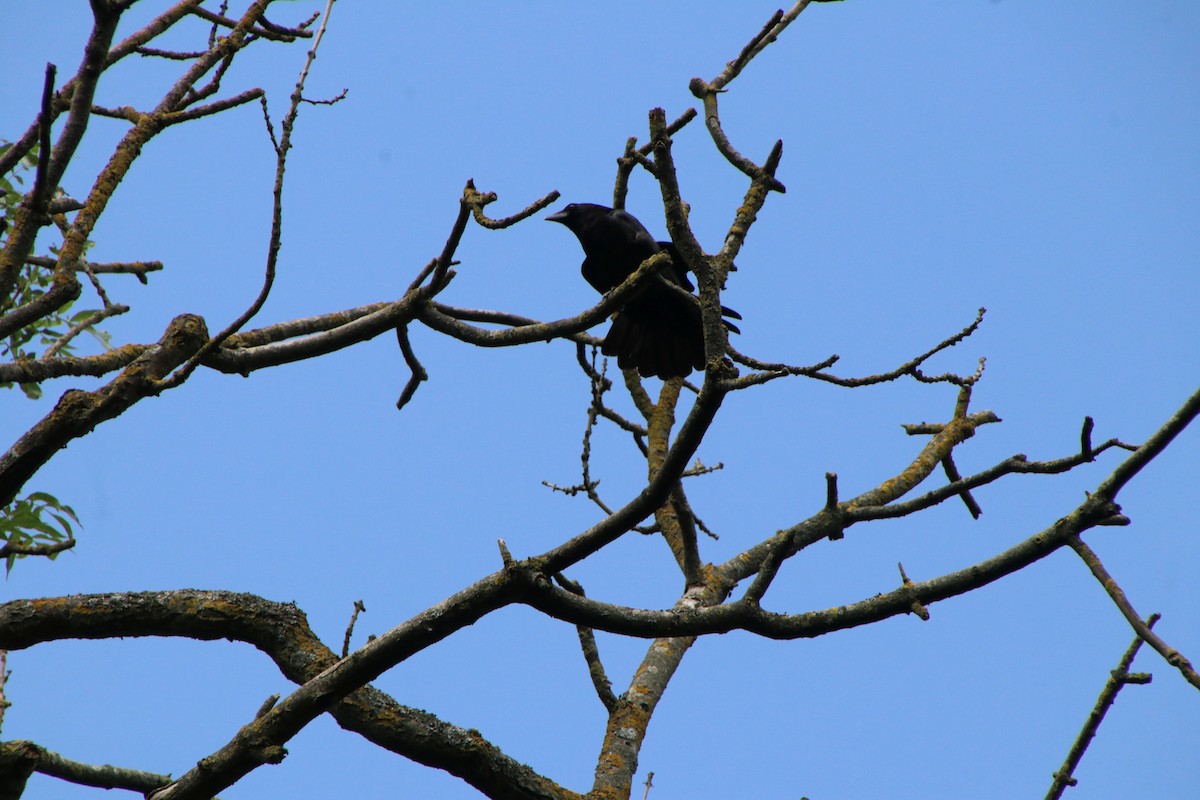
658 331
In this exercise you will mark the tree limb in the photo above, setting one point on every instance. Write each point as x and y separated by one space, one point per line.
1118 679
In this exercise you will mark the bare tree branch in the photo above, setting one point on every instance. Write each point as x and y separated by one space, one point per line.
1118 679
771 371
138 268
1151 448
410 358
78 412
285 142
744 615
260 741
28 218
281 632
103 776
591 653
1170 654
340 686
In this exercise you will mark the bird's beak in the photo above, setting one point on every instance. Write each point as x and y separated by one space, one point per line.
558 216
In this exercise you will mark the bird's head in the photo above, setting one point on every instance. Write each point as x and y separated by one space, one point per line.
573 215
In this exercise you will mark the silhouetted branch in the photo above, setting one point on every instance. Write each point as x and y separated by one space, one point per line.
39 197
263 28
771 371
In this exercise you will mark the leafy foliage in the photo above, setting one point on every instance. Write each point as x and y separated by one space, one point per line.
40 521
24 525
34 280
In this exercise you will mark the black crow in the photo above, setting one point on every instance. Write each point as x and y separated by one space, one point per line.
658 331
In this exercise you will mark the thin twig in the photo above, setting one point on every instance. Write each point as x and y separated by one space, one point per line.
477 200
649 784
953 475
48 549
40 195
358 608
1116 682
1172 656
771 371
591 653
79 327
284 144
417 370
136 268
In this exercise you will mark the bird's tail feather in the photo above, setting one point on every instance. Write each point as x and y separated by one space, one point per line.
653 348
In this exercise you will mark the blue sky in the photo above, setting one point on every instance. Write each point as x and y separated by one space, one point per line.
1037 159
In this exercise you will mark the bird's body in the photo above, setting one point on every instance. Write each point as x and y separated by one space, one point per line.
658 331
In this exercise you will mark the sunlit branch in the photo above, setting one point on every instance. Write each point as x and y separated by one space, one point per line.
81 326
1017 464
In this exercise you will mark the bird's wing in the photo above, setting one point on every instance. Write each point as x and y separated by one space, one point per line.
678 271
632 231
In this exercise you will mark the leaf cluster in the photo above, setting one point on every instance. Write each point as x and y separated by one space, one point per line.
33 281
35 525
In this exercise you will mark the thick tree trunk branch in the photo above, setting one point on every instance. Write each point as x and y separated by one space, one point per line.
280 631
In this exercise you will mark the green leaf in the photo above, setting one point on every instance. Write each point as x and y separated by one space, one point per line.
38 519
